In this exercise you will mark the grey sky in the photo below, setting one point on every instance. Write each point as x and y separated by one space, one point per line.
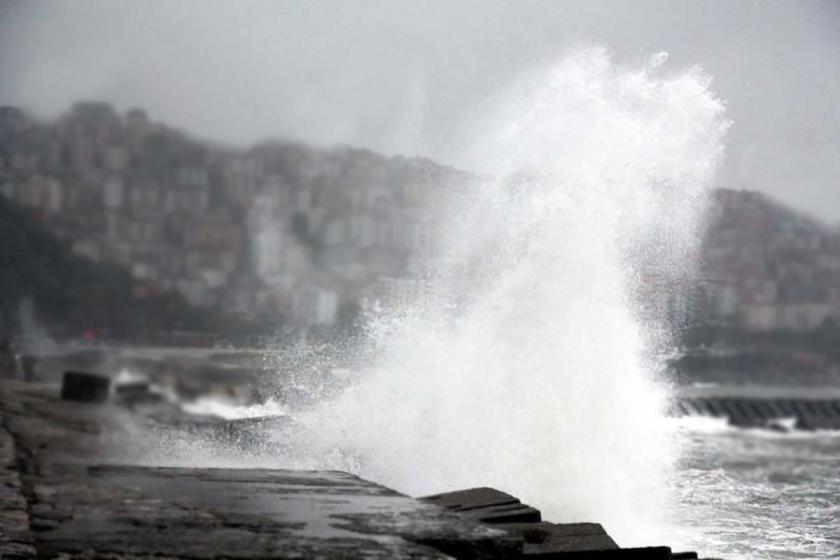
403 77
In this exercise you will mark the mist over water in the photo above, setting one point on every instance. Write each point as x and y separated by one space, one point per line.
538 377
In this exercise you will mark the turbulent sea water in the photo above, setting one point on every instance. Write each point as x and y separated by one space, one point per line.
757 494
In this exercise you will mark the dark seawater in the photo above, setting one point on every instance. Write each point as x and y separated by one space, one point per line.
757 494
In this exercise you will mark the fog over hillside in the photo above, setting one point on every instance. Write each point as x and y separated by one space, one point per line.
419 78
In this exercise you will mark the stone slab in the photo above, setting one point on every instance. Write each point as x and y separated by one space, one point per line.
487 505
471 498
244 513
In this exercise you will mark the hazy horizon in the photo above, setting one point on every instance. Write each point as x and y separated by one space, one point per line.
419 79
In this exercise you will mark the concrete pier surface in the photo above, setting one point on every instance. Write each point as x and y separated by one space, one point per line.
72 487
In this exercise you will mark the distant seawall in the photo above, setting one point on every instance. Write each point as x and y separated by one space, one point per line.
753 407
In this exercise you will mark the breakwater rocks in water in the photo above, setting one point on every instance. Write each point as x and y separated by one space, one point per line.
776 408
65 501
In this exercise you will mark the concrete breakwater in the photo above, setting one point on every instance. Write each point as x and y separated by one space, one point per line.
78 489
764 407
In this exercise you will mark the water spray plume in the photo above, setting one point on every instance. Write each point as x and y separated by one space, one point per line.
541 384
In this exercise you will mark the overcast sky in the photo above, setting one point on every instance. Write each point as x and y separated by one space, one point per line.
400 76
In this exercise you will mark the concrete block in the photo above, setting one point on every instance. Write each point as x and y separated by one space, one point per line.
85 387
487 505
472 498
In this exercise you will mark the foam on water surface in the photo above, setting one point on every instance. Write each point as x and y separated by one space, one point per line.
228 410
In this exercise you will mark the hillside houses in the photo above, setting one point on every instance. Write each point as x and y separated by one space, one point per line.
278 230
282 231
769 268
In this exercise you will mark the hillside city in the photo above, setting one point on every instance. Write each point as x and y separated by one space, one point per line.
315 236
768 267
